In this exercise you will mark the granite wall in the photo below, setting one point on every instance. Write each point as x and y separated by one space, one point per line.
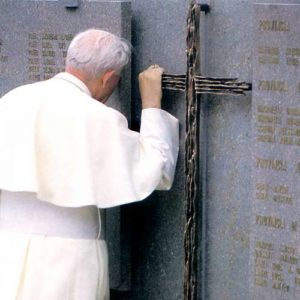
158 223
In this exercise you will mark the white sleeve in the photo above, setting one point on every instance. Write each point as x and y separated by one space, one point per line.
88 156
161 130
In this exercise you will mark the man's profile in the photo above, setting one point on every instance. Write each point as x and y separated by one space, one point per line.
63 155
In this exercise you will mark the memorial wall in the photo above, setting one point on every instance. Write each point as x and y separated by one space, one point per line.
233 174
274 234
248 221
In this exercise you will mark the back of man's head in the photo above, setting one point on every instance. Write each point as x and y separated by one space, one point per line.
95 51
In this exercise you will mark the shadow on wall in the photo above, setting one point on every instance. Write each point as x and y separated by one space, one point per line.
116 295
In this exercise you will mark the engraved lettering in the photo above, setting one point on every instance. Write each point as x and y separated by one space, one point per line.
33 52
286 140
290 131
262 186
49 53
266 138
272 164
294 226
62 45
273 85
293 122
33 44
276 267
263 254
49 36
3 58
261 196
264 245
268 60
268 50
261 263
290 61
261 281
47 45
282 189
273 25
49 70
269 109
293 51
49 62
283 199
33 61
34 77
289 259
32 36
261 272
270 221
281 286
293 111
288 249
268 119
277 276
266 129
35 69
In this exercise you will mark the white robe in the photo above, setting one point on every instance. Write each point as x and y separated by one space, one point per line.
72 151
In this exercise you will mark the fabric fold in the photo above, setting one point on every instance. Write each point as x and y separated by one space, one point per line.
75 151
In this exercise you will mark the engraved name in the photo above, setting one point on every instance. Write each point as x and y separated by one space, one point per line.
273 85
293 51
281 286
272 164
270 221
274 25
269 109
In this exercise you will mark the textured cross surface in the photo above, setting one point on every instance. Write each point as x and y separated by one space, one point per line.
194 85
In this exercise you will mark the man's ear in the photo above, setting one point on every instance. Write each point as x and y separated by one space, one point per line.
107 76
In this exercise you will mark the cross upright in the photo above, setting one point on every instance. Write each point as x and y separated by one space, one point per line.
194 84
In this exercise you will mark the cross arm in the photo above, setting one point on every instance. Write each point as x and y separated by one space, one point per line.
206 85
221 86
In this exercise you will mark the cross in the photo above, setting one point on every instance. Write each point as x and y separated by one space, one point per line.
194 84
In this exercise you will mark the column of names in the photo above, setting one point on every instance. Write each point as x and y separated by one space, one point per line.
274 237
46 54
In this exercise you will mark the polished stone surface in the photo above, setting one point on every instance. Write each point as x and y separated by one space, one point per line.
274 233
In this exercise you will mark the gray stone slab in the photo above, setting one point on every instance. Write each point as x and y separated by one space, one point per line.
34 36
228 193
159 36
159 33
274 238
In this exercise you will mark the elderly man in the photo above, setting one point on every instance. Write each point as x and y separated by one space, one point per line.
63 155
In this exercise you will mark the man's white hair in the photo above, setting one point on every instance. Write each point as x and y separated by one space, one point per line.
95 51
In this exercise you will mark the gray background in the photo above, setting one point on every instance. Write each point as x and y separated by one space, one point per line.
227 34
275 281
154 229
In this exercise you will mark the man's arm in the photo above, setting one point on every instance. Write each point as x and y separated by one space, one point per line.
158 127
150 87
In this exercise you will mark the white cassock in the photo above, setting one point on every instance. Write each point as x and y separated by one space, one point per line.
63 155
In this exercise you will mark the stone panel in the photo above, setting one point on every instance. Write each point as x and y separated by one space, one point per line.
274 234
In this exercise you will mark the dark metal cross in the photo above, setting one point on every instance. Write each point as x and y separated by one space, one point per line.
194 85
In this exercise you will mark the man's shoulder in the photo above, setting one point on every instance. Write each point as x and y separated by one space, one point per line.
60 98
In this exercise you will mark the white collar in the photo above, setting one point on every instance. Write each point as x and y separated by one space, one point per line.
75 81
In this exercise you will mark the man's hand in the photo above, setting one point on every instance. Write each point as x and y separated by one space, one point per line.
150 87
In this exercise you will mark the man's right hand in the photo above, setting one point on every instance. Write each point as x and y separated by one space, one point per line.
150 87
